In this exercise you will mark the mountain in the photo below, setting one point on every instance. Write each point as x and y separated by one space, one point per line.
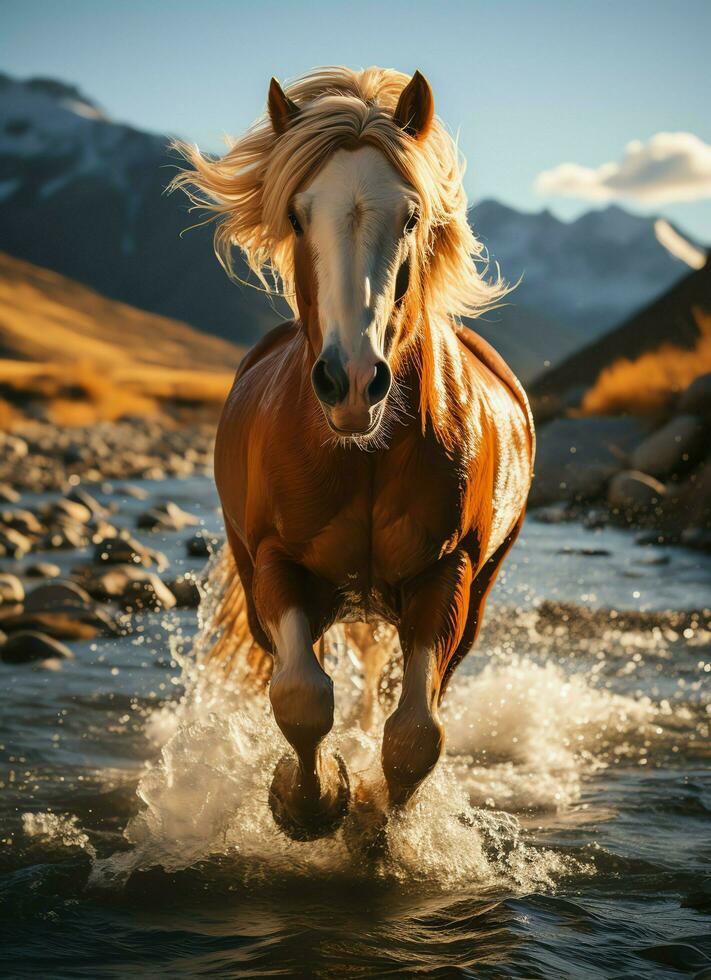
588 274
84 195
670 321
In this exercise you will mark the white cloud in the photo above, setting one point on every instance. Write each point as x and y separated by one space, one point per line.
667 167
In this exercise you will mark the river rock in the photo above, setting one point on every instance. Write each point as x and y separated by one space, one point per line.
67 538
634 491
129 490
166 517
23 521
29 646
202 545
11 590
13 544
79 496
69 511
7 494
676 447
696 400
61 609
576 457
186 592
127 550
42 569
133 588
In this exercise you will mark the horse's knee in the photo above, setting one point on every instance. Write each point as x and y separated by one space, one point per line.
302 701
413 739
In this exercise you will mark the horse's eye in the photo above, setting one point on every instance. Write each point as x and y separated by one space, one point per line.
411 222
294 222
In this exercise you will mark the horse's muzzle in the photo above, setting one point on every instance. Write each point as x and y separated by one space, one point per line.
351 393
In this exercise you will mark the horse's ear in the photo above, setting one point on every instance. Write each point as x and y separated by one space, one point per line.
282 110
415 108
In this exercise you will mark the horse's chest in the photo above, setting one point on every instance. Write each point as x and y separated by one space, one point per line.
384 530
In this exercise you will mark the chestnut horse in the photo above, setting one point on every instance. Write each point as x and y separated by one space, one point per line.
374 456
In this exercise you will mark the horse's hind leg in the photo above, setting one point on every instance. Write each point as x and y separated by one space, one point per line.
309 795
374 646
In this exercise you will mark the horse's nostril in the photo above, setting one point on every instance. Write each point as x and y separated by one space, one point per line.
330 381
380 385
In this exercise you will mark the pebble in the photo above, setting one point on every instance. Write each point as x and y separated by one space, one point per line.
186 591
42 569
30 645
11 589
166 517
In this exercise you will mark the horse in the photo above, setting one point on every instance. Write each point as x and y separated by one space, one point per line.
374 456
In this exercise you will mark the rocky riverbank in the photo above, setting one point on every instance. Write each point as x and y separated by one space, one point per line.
71 523
651 473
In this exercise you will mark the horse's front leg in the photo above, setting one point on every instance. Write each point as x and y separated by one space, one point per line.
310 793
434 618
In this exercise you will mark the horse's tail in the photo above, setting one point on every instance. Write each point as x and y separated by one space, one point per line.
227 641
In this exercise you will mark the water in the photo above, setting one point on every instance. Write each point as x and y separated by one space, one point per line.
565 834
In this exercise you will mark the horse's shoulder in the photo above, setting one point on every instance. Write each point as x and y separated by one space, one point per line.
274 338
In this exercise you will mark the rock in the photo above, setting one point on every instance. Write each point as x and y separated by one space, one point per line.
587 552
42 569
133 588
127 550
676 447
72 511
79 496
632 491
186 592
166 517
61 609
8 495
11 590
558 513
128 490
202 545
69 538
696 400
23 521
56 594
577 457
12 447
29 646
13 544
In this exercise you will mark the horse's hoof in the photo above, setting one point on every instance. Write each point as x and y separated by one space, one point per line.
298 814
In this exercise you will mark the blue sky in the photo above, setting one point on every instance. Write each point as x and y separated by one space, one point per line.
529 85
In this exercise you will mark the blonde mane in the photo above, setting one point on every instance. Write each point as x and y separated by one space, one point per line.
250 188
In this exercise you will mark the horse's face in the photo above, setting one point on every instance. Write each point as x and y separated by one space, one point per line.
354 227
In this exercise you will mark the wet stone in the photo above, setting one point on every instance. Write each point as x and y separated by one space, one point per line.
11 589
42 569
186 591
30 645
166 517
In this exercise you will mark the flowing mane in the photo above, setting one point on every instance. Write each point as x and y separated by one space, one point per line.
249 189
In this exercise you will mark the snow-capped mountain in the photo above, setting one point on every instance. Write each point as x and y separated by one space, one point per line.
590 273
84 196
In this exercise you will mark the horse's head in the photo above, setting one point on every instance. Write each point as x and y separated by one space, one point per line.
354 244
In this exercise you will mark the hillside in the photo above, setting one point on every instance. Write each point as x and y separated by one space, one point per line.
45 316
672 320
88 357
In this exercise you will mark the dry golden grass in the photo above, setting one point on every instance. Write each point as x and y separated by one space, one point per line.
84 393
649 384
88 359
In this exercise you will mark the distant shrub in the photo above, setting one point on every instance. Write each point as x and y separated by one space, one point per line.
649 384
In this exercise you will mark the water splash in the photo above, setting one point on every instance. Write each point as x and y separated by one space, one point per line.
521 736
